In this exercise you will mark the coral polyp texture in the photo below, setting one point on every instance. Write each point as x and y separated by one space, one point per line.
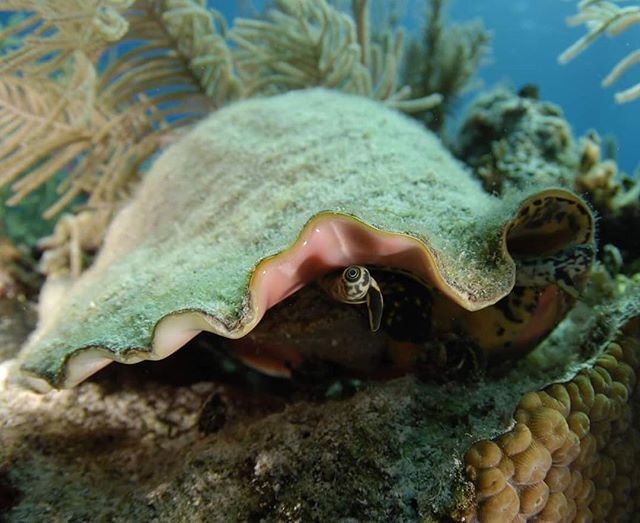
574 450
267 195
513 140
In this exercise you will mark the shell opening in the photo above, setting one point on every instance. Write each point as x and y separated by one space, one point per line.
546 226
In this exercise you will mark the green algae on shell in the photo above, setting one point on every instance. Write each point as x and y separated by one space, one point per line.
269 194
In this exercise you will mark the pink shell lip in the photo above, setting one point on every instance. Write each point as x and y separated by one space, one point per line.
330 241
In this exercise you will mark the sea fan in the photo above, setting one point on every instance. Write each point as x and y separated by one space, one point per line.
96 110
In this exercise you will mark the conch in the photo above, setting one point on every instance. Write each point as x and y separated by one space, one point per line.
269 194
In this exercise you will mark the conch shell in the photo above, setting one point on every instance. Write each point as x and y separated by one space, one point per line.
269 194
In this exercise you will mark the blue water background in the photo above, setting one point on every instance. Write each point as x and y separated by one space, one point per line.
528 36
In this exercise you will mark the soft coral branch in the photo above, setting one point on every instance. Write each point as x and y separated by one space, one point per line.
605 17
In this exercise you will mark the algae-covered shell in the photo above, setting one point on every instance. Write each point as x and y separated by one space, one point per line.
268 194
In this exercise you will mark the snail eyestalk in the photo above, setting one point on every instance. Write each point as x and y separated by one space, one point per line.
356 285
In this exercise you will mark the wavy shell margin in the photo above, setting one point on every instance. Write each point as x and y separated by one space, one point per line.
230 203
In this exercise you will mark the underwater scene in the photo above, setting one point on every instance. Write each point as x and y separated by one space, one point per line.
319 260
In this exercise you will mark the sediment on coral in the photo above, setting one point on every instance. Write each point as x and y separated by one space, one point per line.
514 141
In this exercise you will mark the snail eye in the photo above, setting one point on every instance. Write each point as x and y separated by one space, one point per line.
352 274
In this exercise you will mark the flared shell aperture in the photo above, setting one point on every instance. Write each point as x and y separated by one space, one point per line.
269 194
